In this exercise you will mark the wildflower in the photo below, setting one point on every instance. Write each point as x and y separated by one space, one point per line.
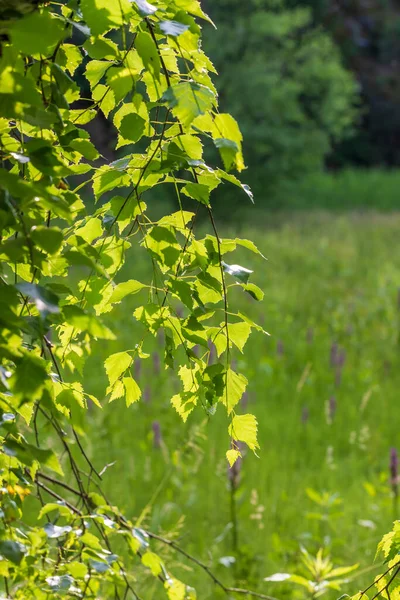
334 355
157 437
156 363
147 394
280 348
330 410
305 415
394 470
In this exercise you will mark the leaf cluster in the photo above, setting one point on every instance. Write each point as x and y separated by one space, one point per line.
61 267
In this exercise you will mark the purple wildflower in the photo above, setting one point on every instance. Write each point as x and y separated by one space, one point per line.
147 395
341 358
280 348
338 377
334 355
156 363
305 415
157 437
310 335
394 470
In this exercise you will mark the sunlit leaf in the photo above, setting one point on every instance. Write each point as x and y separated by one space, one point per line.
132 390
240 273
153 562
188 100
232 456
243 428
173 28
116 365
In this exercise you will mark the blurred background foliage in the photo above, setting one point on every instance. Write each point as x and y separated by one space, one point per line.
315 84
283 79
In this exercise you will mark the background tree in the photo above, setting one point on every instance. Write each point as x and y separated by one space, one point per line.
284 80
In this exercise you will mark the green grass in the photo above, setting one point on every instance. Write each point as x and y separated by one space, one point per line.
329 279
348 189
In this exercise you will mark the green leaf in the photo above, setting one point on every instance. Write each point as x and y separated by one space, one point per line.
188 100
90 231
107 178
228 151
232 456
239 334
91 541
244 429
235 386
240 273
145 8
101 48
125 288
82 321
61 507
232 179
30 375
12 551
249 245
55 531
121 81
100 567
105 98
45 301
103 15
173 28
132 127
132 390
60 583
116 364
77 569
85 147
48 238
183 291
27 454
37 33
95 70
197 191
228 140
153 562
254 291
148 53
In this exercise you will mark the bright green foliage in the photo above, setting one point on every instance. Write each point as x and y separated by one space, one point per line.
283 80
320 575
61 266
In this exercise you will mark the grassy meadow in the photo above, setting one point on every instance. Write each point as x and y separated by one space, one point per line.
325 388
